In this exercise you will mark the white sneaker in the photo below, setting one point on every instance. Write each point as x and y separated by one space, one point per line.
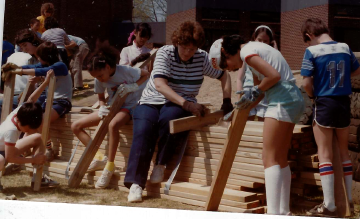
135 194
157 174
104 179
97 164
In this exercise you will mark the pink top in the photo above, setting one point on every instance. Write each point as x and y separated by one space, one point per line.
131 52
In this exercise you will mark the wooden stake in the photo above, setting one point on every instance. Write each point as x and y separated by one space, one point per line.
100 132
341 198
25 94
45 127
228 154
8 97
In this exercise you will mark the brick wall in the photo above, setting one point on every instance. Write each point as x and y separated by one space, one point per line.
173 21
90 20
292 44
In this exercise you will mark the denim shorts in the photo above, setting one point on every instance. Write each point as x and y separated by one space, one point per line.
61 106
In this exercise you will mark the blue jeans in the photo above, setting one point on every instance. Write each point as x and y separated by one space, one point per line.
151 122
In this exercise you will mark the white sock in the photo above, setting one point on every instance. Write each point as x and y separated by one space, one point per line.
347 167
327 182
285 190
273 182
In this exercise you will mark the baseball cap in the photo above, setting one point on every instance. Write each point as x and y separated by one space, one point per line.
215 54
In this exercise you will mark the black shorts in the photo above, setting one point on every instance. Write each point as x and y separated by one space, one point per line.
2 153
332 111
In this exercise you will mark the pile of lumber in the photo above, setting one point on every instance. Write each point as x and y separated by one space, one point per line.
245 190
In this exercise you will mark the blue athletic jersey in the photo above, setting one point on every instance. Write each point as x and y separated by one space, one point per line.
330 64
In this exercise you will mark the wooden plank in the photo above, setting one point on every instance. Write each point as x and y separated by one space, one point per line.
25 94
45 127
236 130
100 132
8 97
187 123
341 198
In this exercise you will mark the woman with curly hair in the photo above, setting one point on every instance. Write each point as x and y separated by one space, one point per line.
178 73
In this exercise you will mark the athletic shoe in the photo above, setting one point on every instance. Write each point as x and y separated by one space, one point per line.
50 155
321 211
104 179
157 174
135 193
97 165
47 182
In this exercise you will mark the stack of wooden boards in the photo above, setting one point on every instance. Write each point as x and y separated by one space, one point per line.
355 111
245 186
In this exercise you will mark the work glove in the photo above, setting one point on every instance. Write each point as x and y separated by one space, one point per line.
5 75
9 66
127 88
248 97
195 108
227 106
103 111
140 58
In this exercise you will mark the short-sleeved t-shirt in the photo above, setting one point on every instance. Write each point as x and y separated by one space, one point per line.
129 53
57 36
9 132
20 59
271 56
123 75
330 64
184 78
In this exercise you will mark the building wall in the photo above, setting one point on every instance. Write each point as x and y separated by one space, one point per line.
173 21
90 20
292 44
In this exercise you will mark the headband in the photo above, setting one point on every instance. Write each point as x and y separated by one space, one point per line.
264 26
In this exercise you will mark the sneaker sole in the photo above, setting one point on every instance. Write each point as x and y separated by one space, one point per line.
135 200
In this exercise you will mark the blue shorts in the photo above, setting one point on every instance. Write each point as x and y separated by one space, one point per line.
332 111
61 106
2 153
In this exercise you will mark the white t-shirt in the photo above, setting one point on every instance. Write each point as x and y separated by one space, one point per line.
9 133
271 56
123 75
129 53
20 59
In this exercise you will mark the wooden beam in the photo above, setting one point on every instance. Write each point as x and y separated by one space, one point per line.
187 123
341 198
45 127
228 154
8 97
25 94
100 132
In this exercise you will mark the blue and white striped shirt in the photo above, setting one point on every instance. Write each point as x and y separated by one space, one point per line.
184 78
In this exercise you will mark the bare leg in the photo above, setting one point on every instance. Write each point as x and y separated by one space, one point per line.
120 119
343 138
275 148
88 121
323 137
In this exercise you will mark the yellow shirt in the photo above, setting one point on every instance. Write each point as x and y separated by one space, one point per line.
42 22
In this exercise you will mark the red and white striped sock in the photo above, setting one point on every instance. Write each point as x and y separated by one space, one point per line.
327 182
48 145
347 167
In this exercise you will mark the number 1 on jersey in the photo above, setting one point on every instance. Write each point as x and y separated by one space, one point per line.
332 67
